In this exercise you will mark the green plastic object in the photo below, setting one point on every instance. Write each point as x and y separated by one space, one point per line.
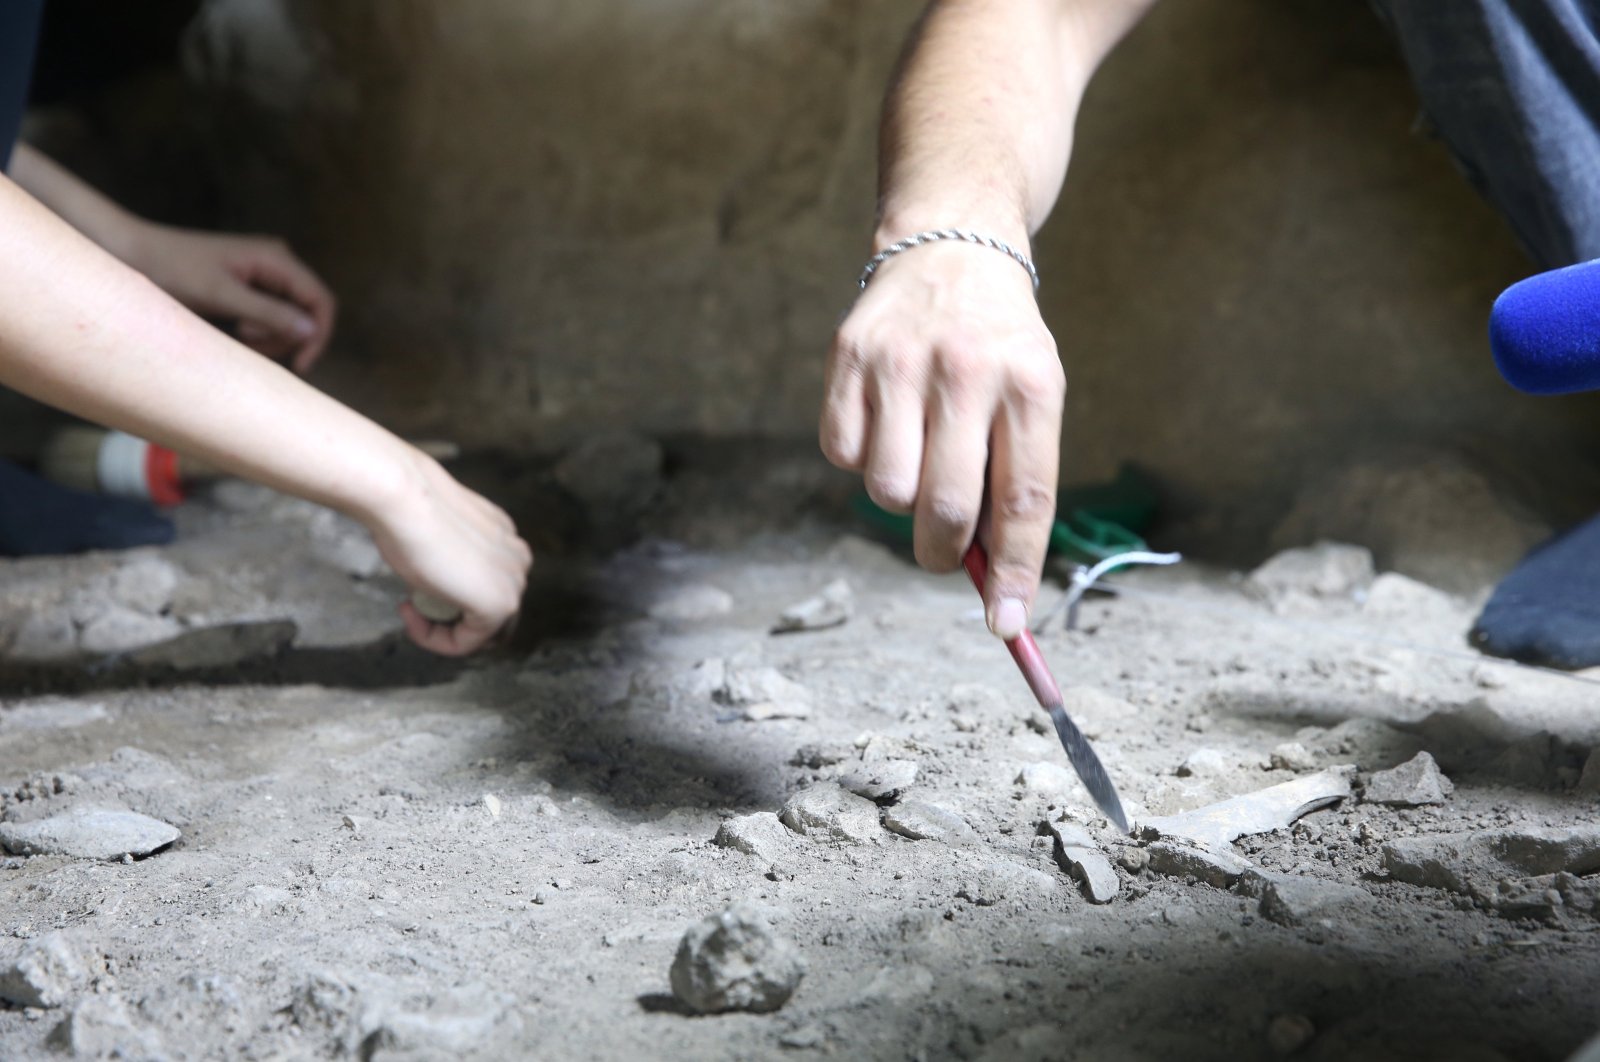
1092 523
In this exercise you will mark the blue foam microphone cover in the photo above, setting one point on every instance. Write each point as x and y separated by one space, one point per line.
1545 331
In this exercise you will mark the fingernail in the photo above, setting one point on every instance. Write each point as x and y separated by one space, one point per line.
1009 618
305 327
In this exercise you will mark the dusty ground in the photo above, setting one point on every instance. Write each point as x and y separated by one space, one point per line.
386 856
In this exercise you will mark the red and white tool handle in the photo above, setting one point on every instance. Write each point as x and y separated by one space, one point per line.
1024 650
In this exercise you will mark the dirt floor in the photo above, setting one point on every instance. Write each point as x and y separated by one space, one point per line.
384 855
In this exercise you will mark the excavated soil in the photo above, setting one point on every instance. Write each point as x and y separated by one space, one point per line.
385 855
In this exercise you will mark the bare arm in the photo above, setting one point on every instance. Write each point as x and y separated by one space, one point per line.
944 387
282 308
83 332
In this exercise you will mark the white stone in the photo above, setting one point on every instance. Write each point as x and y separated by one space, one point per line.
831 607
759 834
1203 762
735 961
696 601
1047 779
763 693
47 973
1324 570
1292 756
826 812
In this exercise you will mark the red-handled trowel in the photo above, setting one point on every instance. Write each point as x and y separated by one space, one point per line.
1025 651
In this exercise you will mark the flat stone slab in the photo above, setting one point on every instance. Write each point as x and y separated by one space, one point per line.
1217 868
1080 857
880 780
922 821
1216 826
89 833
1295 901
1457 861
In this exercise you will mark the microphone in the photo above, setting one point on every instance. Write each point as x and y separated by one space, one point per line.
1545 331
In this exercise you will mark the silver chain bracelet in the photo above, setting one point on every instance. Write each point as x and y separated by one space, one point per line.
917 239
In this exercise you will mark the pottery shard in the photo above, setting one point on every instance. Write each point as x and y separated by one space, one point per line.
1216 826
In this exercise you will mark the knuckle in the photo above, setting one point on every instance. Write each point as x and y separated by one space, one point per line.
1027 501
949 512
902 366
893 492
1038 382
838 452
849 354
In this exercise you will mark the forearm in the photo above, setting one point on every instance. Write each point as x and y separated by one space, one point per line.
75 201
977 128
85 333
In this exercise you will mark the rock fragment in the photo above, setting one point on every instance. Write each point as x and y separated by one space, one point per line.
1079 856
47 973
1217 825
455 1023
1296 901
759 834
1216 868
880 780
1203 762
89 833
104 1026
1323 570
922 821
1047 779
830 607
1433 862
697 601
734 961
987 884
1454 861
1416 782
826 812
145 582
112 628
761 693
1292 756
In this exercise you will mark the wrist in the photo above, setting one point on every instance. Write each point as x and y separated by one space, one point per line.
946 255
1004 224
391 487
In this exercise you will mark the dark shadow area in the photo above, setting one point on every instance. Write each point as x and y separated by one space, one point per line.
385 664
1417 991
664 1003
